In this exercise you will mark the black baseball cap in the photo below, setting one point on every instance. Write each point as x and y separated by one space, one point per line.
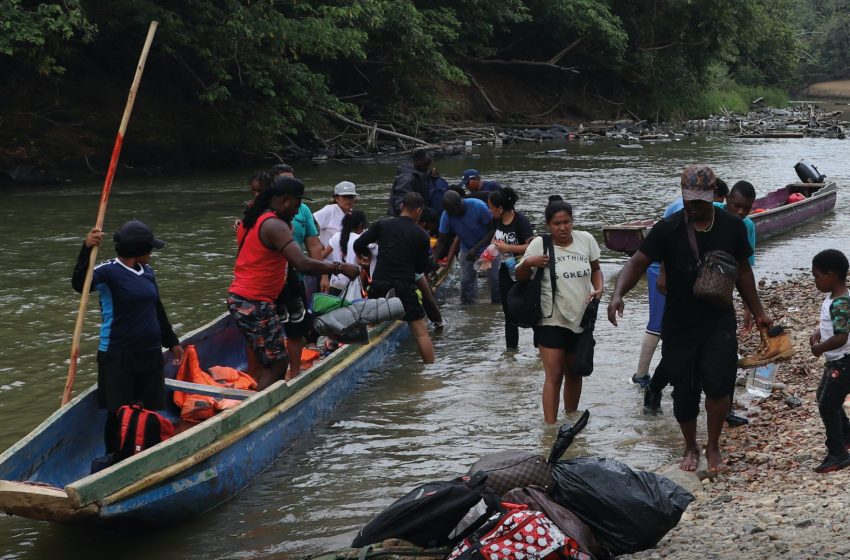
135 232
289 186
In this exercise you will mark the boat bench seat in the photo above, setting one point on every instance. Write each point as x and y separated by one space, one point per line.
208 390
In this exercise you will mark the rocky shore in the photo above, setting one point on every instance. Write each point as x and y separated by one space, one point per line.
769 503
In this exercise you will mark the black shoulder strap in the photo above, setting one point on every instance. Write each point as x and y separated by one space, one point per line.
549 247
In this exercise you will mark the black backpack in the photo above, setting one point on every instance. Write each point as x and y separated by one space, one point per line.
428 514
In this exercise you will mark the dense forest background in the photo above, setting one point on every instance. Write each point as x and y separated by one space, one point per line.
231 80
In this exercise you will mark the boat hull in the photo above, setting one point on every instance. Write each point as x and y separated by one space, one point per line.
45 476
627 237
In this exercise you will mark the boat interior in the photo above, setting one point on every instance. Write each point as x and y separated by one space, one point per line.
61 450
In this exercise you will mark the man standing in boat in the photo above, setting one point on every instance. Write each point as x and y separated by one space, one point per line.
265 249
410 177
700 343
135 327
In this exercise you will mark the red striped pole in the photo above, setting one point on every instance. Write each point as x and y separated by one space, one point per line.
101 213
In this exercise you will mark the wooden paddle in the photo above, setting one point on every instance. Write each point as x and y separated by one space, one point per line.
101 212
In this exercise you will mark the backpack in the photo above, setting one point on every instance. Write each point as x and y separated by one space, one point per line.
428 514
520 534
139 429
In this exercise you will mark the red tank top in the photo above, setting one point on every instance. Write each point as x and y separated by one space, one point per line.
259 273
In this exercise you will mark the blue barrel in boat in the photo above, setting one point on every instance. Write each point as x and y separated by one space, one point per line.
808 173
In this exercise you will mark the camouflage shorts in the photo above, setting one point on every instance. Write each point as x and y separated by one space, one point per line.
260 324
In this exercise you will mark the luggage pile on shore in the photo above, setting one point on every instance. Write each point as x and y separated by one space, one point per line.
517 505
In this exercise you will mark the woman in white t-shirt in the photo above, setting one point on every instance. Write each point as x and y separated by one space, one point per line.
578 280
341 249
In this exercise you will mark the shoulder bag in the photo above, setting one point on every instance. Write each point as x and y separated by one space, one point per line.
583 364
524 305
717 272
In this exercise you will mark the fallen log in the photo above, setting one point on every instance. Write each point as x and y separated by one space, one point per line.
373 128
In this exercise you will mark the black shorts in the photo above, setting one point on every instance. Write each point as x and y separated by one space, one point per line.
706 364
407 293
560 338
129 377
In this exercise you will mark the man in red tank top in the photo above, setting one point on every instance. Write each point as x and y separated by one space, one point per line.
265 247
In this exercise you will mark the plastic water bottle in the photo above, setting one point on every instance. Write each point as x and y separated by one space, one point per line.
510 263
485 261
760 380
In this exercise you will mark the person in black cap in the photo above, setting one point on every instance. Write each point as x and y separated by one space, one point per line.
135 326
265 249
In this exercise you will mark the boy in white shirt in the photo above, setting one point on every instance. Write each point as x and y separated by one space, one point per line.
829 268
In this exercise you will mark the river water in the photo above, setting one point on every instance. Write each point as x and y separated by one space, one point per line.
407 423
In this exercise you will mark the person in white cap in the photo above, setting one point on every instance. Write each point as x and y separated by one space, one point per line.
330 217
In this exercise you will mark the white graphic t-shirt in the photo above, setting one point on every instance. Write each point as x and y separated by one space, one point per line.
572 270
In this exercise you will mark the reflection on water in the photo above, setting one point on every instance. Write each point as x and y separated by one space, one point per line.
407 422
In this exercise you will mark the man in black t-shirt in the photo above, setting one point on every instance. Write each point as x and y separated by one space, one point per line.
403 252
700 346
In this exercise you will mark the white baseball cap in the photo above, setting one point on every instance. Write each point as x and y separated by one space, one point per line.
345 188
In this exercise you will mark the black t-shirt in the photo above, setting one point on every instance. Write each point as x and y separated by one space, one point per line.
402 249
684 315
515 233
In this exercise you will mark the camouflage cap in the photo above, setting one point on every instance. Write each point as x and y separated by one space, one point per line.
698 183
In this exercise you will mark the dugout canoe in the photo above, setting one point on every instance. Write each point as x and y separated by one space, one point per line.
45 476
777 215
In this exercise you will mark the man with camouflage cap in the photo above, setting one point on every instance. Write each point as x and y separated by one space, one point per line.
700 346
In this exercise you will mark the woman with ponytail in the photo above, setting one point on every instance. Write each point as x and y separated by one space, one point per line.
265 249
578 279
341 247
513 234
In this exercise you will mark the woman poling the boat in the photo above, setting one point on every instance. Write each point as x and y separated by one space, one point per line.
578 280
259 275
513 234
341 248
134 326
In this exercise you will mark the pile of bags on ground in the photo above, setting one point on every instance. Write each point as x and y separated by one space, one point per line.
517 505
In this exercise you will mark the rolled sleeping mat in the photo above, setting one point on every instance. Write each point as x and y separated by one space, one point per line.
360 312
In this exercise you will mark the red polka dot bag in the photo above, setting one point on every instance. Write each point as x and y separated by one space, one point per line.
520 534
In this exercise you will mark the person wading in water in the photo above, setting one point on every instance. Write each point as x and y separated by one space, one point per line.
700 349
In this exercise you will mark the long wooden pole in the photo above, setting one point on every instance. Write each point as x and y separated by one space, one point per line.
101 213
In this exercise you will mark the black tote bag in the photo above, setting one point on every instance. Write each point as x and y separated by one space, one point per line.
524 305
586 343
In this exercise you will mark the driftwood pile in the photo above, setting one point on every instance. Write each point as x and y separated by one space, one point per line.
355 139
804 120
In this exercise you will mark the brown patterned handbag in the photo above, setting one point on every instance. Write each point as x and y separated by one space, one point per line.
717 272
514 469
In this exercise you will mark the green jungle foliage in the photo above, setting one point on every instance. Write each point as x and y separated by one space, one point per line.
231 76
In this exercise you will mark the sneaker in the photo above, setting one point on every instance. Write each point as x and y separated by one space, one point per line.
735 420
651 401
641 381
831 463
775 345
296 310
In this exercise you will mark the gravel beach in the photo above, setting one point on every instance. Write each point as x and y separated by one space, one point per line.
770 504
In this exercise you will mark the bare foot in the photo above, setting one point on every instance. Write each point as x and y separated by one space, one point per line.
715 460
690 460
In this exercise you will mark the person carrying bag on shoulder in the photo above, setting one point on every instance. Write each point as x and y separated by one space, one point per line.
577 280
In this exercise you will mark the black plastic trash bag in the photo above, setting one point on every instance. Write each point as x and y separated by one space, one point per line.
627 510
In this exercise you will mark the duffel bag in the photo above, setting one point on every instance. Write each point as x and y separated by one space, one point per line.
428 514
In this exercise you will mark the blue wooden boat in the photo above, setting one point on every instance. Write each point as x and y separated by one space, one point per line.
45 475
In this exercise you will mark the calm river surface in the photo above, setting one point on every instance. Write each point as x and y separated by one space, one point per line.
407 423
